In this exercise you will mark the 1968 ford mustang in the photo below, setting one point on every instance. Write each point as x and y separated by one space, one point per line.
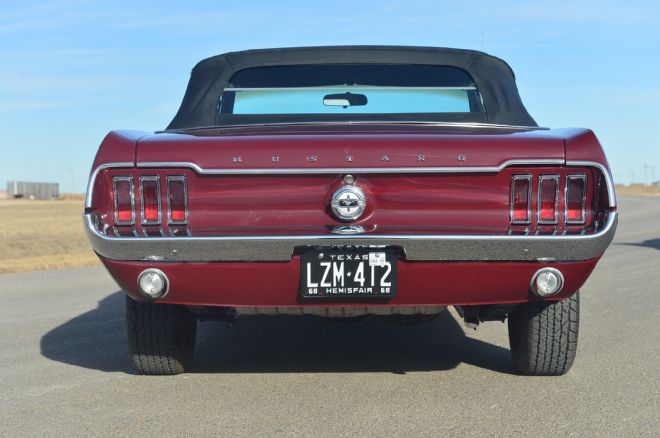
349 181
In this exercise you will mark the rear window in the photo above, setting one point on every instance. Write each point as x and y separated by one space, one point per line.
350 89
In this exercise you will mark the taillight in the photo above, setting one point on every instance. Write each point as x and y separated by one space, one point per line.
548 199
521 196
576 197
150 200
122 187
547 190
177 200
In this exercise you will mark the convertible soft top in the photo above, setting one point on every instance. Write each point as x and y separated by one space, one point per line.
492 76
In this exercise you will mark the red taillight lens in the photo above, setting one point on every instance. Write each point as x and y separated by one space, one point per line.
122 187
177 198
548 199
576 197
150 197
520 199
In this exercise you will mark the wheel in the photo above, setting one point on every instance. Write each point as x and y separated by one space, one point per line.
161 337
543 336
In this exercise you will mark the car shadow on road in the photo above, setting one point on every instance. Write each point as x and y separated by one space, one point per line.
650 243
279 344
95 339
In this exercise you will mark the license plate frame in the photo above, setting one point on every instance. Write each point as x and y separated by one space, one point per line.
336 273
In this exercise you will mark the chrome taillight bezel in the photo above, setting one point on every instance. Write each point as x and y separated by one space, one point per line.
131 192
144 220
583 200
514 179
184 180
541 221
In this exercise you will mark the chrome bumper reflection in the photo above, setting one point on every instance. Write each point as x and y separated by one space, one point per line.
415 247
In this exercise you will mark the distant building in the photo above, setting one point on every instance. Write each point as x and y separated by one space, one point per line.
656 184
33 190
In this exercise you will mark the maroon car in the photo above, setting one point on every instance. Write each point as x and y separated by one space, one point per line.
350 181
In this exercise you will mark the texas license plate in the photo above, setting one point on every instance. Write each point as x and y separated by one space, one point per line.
348 273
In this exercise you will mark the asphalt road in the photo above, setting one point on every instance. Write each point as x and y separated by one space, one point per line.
64 368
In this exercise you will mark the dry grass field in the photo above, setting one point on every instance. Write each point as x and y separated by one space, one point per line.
637 189
38 235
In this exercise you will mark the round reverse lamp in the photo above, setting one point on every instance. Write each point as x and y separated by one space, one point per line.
152 283
547 282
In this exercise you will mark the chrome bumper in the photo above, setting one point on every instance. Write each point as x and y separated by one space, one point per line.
415 247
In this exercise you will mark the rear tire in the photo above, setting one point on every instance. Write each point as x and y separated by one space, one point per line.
161 337
543 336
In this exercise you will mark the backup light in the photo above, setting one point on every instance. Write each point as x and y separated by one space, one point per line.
152 283
547 282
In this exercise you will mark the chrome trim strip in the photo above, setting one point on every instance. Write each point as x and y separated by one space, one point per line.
609 181
555 221
611 194
317 170
416 247
528 178
202 171
92 178
361 88
364 122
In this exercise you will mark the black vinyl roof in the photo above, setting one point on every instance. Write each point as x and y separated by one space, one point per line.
492 76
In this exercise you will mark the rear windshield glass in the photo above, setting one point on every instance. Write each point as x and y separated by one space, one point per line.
350 89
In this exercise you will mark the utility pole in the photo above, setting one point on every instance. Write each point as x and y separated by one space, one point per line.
652 174
646 171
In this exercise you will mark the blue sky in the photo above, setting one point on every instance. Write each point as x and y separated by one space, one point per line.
70 71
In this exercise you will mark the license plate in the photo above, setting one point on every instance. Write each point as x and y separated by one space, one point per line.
348 273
